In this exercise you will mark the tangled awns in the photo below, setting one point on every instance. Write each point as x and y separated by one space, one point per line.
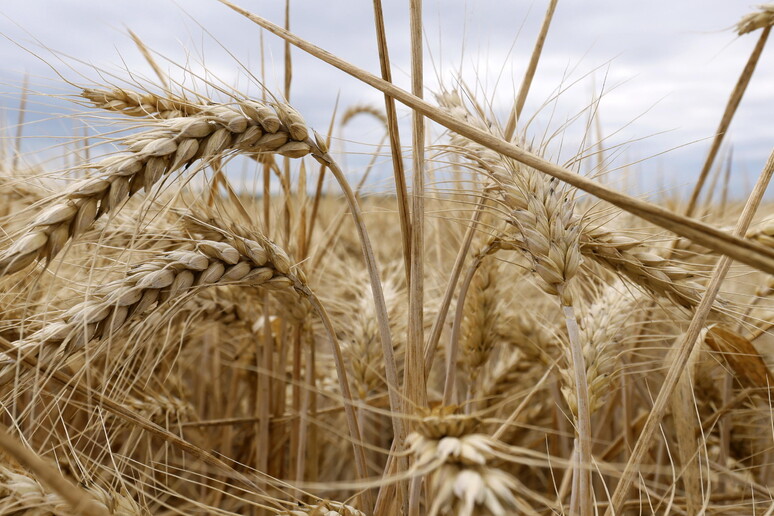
520 338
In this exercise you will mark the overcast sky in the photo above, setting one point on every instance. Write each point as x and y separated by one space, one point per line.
665 68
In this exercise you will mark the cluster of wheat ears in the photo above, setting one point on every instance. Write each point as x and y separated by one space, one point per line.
527 341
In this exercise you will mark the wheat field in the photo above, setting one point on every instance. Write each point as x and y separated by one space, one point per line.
202 312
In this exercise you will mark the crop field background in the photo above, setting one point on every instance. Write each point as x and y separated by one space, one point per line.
381 258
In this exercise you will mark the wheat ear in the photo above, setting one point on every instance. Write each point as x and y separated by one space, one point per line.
759 20
482 324
325 508
454 342
632 259
288 135
166 277
542 211
145 104
601 329
458 464
170 144
242 260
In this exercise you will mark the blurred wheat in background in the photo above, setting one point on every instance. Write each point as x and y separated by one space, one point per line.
201 312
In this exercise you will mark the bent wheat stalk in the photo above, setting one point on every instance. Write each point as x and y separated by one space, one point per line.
321 154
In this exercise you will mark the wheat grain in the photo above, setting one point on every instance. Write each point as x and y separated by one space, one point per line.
326 508
132 103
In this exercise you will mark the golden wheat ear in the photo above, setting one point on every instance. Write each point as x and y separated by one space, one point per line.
201 133
763 19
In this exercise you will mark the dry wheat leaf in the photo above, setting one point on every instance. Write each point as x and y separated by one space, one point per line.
741 356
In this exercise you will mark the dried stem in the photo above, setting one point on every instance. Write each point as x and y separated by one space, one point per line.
390 367
414 383
395 147
583 429
728 115
521 98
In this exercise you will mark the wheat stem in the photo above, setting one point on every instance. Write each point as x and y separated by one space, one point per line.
521 98
583 429
414 384
390 367
318 190
728 115
396 150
